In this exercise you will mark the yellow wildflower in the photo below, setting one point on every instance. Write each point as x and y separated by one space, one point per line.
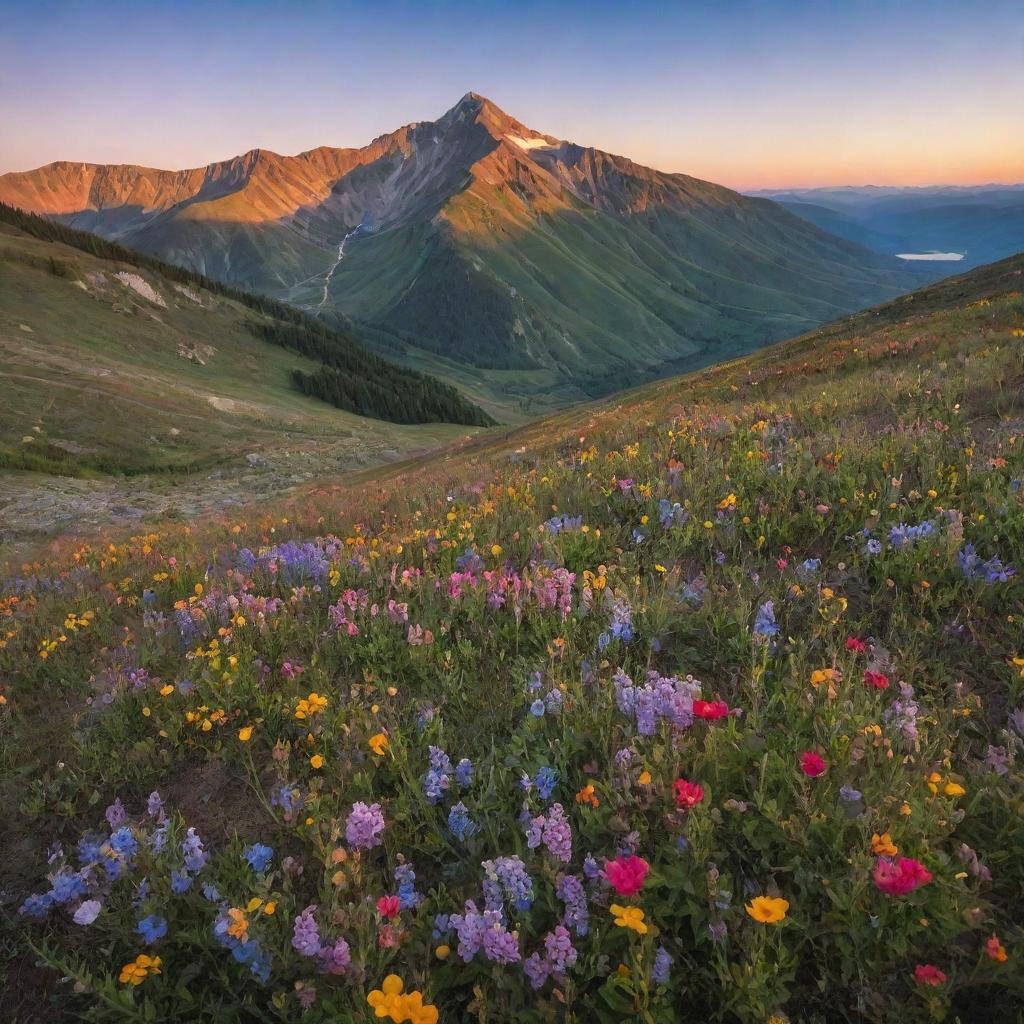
135 972
883 846
629 917
768 909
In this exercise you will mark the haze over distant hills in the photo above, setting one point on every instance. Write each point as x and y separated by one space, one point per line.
535 269
982 222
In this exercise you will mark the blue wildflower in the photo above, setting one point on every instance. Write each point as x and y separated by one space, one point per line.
152 928
459 822
258 856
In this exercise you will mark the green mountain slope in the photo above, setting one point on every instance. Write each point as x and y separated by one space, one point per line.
535 270
110 370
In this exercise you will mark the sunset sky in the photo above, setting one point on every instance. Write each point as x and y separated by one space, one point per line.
748 94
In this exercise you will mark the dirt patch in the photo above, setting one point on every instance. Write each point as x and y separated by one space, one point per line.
216 803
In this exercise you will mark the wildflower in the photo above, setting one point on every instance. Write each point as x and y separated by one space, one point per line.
588 795
87 912
545 781
311 705
506 878
181 882
378 743
155 806
136 971
877 680
485 931
389 906
192 848
629 917
316 761
405 878
900 877
537 709
688 794
626 874
883 846
443 951
258 856
662 967
464 773
116 814
459 822
245 733
767 909
571 892
438 776
364 826
305 934
902 713
824 675
710 710
152 928
764 623
928 974
995 950
855 645
238 924
953 789
553 830
644 778
812 764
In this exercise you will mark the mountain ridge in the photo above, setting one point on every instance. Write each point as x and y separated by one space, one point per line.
476 247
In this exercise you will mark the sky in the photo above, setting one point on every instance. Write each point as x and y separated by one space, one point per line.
748 94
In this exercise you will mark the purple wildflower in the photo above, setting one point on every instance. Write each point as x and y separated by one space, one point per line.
364 826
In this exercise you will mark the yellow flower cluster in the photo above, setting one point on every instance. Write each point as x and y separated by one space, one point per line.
391 1001
311 705
136 971
949 787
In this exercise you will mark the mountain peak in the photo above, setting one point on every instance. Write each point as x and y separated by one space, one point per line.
480 110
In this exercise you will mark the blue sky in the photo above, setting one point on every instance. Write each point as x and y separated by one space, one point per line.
749 94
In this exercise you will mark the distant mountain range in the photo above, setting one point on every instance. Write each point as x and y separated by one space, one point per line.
528 269
983 222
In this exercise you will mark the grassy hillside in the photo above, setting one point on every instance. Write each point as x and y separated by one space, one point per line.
111 369
707 699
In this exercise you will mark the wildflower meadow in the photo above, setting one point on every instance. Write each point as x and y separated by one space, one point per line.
701 704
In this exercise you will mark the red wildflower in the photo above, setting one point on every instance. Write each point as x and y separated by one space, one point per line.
388 906
626 874
928 974
688 794
899 876
995 950
853 644
710 709
812 764
879 680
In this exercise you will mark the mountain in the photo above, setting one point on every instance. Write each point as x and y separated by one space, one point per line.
115 366
474 246
982 223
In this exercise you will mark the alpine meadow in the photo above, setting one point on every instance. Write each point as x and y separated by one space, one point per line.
477 577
